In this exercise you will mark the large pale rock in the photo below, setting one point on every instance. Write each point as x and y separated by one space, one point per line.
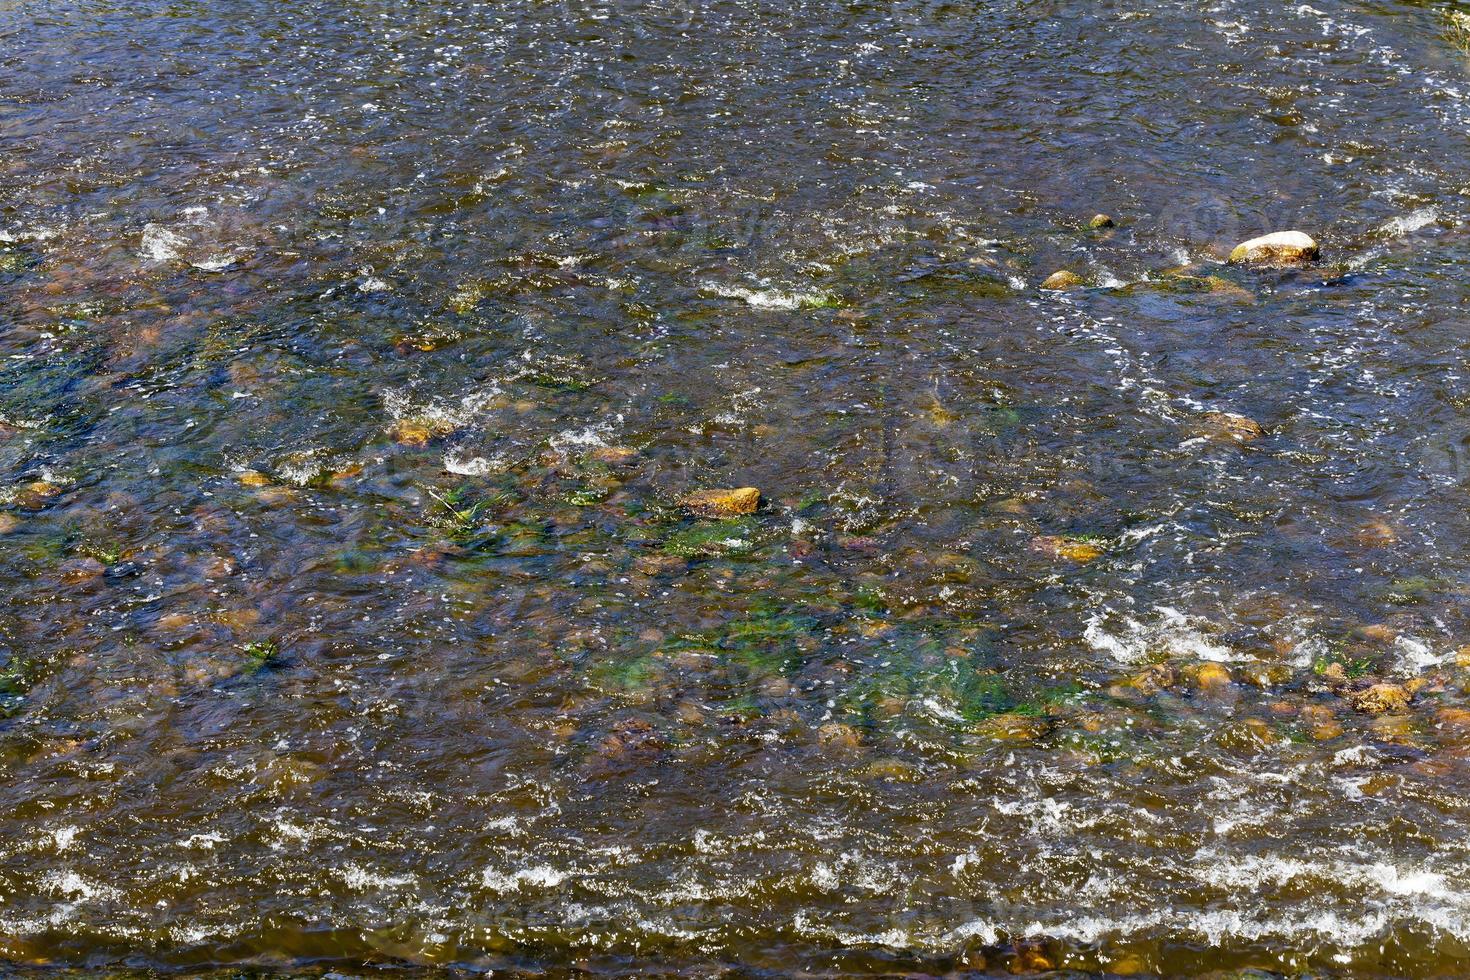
1063 279
1277 250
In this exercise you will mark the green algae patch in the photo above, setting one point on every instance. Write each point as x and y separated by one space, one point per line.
16 678
261 654
712 539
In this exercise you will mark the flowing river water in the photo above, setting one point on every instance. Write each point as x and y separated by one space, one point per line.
354 356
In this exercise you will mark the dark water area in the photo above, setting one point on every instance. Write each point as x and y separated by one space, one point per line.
354 357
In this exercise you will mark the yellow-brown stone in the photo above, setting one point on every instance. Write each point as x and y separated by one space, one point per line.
1211 677
1381 699
722 503
1229 425
1063 279
1072 549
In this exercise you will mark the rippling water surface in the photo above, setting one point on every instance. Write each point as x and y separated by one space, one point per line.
354 357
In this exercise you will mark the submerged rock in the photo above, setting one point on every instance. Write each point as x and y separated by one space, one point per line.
1013 727
634 742
660 564
722 503
1224 288
1211 677
1072 549
1321 722
1381 633
1030 958
1454 719
1151 680
1381 699
1229 425
37 494
612 454
410 432
81 570
1063 279
840 736
1277 250
1375 533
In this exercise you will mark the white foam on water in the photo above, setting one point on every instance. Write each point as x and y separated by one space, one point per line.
403 405
461 465
303 467
895 938
1357 755
361 879
941 710
160 244
1415 656
856 870
594 436
767 299
1407 224
668 929
1215 927
288 832
205 841
975 929
1171 632
591 435
1248 871
540 876
218 263
191 934
1050 817
69 884
963 861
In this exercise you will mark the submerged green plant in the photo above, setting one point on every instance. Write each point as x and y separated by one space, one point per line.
1457 29
1352 667
1412 589
820 301
261 653
15 683
462 523
107 554
980 693
711 539
869 599
634 675
12 260
586 496
354 562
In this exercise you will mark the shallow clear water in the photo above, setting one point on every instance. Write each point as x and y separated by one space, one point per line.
354 356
